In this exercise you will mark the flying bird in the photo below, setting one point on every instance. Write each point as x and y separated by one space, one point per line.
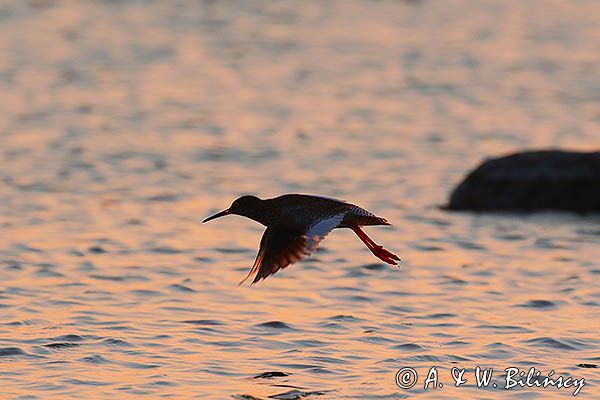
296 223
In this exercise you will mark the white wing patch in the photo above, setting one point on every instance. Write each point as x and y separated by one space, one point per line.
319 230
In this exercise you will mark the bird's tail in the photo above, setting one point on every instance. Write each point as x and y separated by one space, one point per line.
372 220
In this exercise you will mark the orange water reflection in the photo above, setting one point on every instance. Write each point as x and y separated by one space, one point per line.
125 124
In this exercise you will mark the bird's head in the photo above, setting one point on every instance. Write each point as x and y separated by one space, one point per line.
246 206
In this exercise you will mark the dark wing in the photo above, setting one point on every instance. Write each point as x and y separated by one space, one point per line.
281 246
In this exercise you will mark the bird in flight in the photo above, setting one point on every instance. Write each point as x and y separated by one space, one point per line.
296 223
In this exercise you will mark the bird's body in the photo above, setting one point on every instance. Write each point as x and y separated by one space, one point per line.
296 223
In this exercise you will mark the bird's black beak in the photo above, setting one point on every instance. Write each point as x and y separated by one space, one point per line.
217 215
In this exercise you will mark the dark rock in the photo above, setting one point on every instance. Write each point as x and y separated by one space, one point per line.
532 181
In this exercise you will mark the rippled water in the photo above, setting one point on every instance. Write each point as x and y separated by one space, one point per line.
124 123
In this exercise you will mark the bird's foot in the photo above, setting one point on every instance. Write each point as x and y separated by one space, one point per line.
385 255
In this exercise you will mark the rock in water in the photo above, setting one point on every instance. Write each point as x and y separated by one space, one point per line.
532 181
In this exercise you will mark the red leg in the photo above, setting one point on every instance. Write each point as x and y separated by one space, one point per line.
376 249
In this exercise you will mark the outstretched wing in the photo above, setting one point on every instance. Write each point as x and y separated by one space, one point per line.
281 246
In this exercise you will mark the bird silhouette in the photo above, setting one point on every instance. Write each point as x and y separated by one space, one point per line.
296 224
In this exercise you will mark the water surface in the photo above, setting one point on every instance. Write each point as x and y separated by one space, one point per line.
124 124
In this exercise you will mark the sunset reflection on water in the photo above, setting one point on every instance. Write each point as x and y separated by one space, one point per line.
125 124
